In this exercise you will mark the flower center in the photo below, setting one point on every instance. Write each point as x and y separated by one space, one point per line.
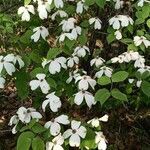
74 131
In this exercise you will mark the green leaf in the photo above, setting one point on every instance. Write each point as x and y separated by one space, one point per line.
38 144
104 80
102 95
38 128
26 2
146 88
53 52
52 82
34 72
119 76
26 37
22 79
118 95
89 2
24 140
110 38
100 3
148 23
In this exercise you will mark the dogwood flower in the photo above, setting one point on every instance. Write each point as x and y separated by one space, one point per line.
2 82
56 143
75 32
118 35
63 36
141 2
72 75
85 81
43 9
81 6
61 13
138 40
75 133
120 20
98 61
97 23
81 95
101 141
39 31
14 121
118 4
53 101
68 24
95 122
59 3
18 59
56 64
138 83
81 51
25 115
25 12
104 70
54 124
71 61
140 62
41 82
7 63
144 69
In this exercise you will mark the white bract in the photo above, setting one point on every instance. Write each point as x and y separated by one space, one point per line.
118 4
63 36
81 95
2 82
26 114
119 21
39 32
59 3
71 61
53 101
98 61
68 24
17 59
56 143
97 23
143 69
7 63
95 122
14 121
81 51
54 124
138 40
75 32
141 2
85 82
43 9
101 141
75 133
56 64
41 82
140 62
60 13
81 6
104 70
118 35
25 12
72 75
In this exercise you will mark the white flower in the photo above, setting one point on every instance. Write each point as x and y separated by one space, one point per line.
59 3
100 141
120 20
97 23
71 61
39 31
95 122
118 4
56 143
25 115
143 69
85 81
18 59
24 11
118 35
68 24
43 8
75 32
131 81
80 7
7 63
98 61
75 133
56 64
64 35
14 121
138 83
141 2
104 70
61 13
138 40
2 82
140 62
41 82
54 124
53 101
81 95
81 51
